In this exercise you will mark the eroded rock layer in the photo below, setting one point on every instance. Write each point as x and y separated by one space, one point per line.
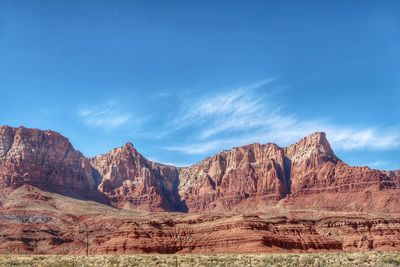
308 168
131 181
46 160
255 198
104 230
231 176
234 179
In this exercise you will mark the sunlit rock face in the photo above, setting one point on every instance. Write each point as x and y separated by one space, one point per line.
316 169
44 159
302 174
250 177
254 198
228 178
132 181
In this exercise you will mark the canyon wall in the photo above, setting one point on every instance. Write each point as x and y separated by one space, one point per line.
302 174
254 198
46 160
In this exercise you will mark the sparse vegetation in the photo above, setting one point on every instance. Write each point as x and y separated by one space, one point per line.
222 260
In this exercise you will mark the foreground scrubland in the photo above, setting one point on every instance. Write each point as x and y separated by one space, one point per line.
314 259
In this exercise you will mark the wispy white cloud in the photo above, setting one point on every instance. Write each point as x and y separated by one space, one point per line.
230 110
379 164
106 115
372 138
199 147
246 114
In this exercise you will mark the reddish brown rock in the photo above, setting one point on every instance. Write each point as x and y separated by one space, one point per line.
251 177
320 180
316 169
44 159
255 198
395 175
224 180
308 172
131 181
31 224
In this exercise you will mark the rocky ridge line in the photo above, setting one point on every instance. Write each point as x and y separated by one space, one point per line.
254 176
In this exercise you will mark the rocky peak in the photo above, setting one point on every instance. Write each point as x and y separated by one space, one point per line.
229 177
240 177
118 165
25 142
313 145
45 159
130 148
132 181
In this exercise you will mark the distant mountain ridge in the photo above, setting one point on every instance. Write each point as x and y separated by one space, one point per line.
254 198
244 177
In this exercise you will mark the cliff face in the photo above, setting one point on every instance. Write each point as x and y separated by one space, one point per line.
316 169
303 174
308 168
131 181
44 159
395 175
262 198
229 177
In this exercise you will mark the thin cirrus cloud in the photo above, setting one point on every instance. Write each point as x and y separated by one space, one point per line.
106 115
379 164
247 114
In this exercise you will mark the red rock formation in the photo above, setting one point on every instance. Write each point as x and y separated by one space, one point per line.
64 228
322 181
316 169
242 178
262 197
231 176
44 159
307 168
131 181
395 175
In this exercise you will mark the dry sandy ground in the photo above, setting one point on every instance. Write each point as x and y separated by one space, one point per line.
315 259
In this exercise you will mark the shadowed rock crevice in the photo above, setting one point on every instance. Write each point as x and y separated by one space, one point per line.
287 166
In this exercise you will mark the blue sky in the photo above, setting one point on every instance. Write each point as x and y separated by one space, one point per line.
183 80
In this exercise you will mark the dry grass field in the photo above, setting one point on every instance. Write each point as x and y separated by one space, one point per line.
315 259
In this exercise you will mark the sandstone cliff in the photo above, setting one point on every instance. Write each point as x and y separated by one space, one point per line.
131 181
253 177
303 174
44 159
234 175
255 198
316 169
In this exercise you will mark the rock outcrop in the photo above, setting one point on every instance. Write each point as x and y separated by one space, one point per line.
315 169
224 180
46 160
255 198
302 174
131 181
71 227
